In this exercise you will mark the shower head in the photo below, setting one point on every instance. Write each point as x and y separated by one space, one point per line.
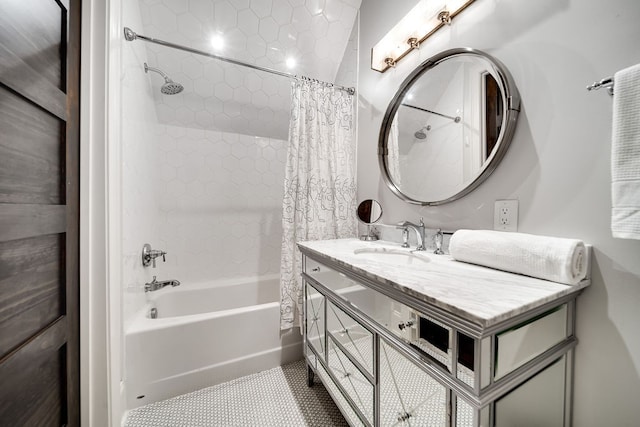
169 87
422 133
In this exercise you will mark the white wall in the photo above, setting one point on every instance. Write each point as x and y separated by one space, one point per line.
557 166
139 173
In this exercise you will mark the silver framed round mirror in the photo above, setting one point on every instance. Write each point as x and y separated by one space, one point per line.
448 126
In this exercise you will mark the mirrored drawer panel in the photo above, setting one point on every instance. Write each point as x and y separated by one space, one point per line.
353 337
522 343
344 406
314 312
327 276
356 385
464 413
404 403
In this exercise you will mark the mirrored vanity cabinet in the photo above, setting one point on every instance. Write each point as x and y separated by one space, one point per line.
401 338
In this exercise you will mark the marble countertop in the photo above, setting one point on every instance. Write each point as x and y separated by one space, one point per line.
482 295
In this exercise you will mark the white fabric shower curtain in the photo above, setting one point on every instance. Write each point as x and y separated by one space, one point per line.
319 185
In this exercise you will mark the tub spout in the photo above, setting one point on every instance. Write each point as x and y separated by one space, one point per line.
154 285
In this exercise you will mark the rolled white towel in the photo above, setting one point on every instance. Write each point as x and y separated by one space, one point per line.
550 258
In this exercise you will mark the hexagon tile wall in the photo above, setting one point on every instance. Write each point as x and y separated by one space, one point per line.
220 145
313 34
220 199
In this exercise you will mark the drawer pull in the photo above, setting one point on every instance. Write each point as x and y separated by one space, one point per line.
404 416
403 325
315 269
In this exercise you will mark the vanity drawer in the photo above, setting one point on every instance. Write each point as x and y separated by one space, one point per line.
342 403
408 395
328 277
520 344
356 385
354 338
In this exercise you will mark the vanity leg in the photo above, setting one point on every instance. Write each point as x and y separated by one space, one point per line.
310 376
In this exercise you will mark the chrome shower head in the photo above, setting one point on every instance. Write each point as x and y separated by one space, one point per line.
169 87
422 134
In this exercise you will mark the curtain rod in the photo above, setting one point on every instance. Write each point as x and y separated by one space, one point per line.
131 35
455 119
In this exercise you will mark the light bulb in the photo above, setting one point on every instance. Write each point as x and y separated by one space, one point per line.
217 42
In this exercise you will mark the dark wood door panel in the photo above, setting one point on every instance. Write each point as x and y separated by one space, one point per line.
33 388
35 30
39 212
32 150
24 80
31 284
22 221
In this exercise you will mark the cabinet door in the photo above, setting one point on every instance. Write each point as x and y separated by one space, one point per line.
538 402
408 395
338 397
314 312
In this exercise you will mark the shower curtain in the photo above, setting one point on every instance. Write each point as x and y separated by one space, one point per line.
319 186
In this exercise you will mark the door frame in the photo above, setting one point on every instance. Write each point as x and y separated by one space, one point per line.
101 334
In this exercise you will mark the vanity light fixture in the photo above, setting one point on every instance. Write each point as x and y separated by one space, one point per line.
421 22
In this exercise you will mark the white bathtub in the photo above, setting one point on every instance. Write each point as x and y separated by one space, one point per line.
204 335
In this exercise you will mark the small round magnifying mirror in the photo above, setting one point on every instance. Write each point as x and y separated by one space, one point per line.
369 212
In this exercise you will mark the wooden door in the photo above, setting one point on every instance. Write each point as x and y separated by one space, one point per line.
39 214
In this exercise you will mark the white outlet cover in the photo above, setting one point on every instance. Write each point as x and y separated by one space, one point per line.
505 215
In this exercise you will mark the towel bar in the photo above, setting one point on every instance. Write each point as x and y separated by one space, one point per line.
604 83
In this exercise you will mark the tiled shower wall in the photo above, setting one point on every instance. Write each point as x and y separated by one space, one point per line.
138 168
219 197
215 199
219 203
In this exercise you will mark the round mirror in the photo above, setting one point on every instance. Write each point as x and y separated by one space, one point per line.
369 211
447 127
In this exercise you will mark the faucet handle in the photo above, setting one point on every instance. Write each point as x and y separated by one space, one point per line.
405 237
438 238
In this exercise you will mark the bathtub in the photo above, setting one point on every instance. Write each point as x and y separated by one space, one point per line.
204 335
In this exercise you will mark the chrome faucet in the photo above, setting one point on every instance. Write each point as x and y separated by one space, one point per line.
419 229
154 285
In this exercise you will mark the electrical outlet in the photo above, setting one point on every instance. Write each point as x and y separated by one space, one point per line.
505 215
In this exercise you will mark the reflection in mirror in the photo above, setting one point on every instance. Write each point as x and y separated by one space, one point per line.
447 127
369 212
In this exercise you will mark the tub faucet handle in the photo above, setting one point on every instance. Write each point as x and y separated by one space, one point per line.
149 255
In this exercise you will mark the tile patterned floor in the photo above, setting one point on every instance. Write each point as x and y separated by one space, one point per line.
277 397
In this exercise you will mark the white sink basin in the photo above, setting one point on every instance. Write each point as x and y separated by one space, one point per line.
392 256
